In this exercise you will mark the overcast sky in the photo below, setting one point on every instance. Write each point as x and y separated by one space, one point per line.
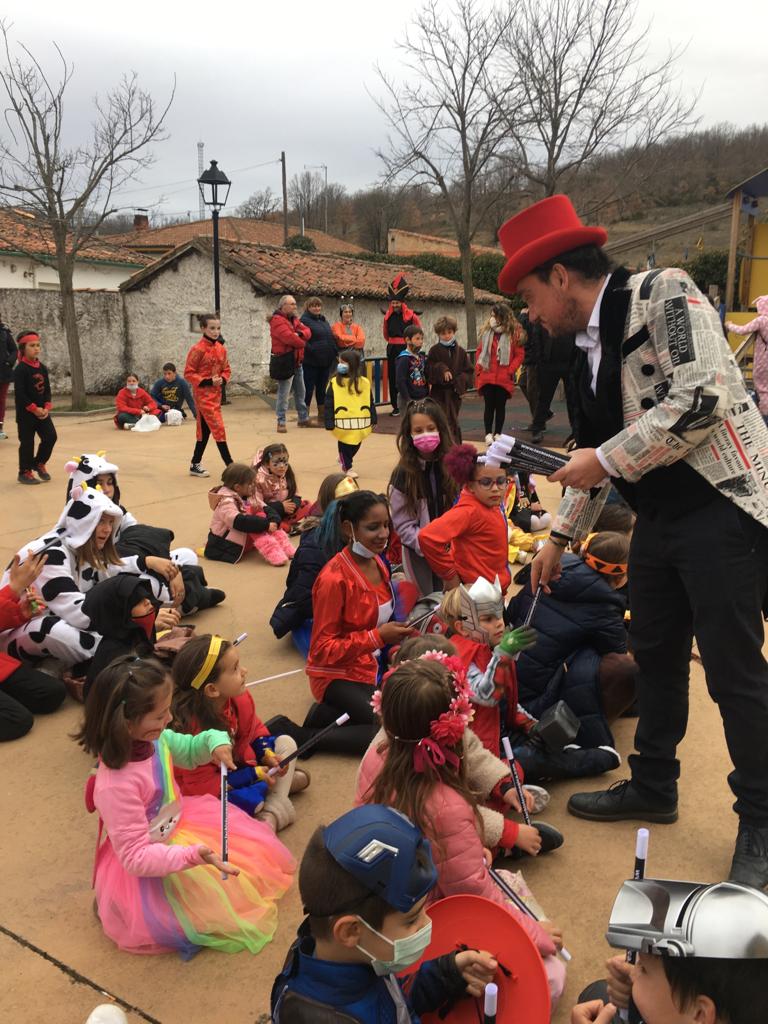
254 78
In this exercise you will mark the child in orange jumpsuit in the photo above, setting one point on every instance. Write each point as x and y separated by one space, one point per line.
206 370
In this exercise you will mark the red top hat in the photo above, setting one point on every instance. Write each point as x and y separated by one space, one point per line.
539 233
475 922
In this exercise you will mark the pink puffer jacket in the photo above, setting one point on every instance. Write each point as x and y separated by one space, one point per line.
458 849
227 505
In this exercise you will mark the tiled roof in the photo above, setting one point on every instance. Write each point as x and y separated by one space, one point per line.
234 229
414 238
22 232
274 271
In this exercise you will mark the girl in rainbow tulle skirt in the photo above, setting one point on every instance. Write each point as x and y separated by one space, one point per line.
158 882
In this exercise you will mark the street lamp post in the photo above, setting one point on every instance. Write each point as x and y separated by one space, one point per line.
214 188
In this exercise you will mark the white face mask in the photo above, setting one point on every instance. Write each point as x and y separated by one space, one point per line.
133 387
359 548
405 951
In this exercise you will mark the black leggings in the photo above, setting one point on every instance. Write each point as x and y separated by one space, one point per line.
29 427
24 693
343 696
347 452
495 398
201 445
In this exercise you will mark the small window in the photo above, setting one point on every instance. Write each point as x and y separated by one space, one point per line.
194 325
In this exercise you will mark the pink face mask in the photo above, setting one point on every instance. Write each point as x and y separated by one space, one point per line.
426 442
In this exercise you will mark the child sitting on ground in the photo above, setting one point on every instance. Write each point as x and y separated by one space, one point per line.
366 923
132 402
425 709
350 411
158 882
410 368
242 521
470 539
275 485
211 694
171 391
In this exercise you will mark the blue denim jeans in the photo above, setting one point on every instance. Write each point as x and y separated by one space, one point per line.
293 386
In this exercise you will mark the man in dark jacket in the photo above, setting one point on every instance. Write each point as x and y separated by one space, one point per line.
397 317
319 355
8 356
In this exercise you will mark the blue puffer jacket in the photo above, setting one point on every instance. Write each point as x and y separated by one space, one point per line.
320 350
580 621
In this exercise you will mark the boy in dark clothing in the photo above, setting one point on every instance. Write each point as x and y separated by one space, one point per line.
448 372
32 390
8 356
397 317
364 881
410 367
171 391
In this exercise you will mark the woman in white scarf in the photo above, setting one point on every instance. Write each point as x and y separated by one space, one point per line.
499 355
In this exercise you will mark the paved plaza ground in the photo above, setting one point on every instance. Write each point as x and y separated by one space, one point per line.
51 945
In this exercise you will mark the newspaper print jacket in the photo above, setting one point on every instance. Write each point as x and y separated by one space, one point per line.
692 404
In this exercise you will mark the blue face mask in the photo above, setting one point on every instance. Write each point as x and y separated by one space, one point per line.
342 368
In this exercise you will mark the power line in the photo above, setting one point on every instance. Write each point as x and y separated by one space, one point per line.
190 181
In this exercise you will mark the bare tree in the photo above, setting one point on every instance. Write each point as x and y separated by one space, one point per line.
259 205
71 189
588 89
305 192
449 117
376 211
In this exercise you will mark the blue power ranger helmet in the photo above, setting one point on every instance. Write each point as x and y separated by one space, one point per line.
385 852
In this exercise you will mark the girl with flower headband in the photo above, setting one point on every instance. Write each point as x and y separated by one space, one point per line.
418 768
210 693
580 624
158 881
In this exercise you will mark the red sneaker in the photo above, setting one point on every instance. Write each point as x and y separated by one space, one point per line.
42 472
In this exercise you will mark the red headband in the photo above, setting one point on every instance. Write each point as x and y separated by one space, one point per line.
27 336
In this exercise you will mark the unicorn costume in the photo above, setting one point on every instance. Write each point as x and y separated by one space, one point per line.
154 892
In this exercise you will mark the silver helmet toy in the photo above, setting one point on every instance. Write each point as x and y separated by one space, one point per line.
482 598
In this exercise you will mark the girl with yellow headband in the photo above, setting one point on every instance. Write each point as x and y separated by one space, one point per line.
211 694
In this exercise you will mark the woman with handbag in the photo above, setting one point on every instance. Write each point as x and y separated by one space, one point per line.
288 336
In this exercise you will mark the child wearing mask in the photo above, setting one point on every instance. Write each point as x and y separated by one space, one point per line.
350 412
448 371
499 353
410 375
132 402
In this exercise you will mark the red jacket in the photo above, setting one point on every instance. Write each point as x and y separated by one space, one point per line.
499 373
205 360
410 319
244 726
345 609
487 722
134 404
11 616
288 333
469 540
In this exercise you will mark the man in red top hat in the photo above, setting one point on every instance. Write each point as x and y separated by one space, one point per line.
662 413
397 317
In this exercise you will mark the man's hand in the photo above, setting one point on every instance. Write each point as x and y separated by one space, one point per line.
545 566
619 981
583 470
595 1012
477 969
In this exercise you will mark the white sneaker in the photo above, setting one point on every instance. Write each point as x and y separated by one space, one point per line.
3 435
107 1013
127 426
197 470
540 798
489 438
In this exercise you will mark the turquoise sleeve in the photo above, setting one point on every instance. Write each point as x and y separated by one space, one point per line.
192 751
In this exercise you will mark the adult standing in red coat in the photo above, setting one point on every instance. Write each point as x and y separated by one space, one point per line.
499 354
206 370
397 317
289 337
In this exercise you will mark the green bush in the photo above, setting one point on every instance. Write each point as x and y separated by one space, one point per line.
710 268
302 242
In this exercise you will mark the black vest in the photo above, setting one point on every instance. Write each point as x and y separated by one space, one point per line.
673 490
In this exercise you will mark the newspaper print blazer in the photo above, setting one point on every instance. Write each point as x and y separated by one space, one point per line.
683 397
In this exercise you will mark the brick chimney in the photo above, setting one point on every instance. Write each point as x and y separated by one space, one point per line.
140 222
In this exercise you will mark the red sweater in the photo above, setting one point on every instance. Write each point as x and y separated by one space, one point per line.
344 631
125 401
244 726
11 616
470 540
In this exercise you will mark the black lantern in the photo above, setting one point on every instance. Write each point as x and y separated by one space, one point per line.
214 188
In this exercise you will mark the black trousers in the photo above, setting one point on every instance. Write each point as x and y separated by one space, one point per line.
24 693
29 427
495 398
315 384
547 379
701 574
347 452
393 351
343 695
200 446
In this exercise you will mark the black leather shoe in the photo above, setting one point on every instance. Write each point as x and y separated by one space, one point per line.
750 858
621 803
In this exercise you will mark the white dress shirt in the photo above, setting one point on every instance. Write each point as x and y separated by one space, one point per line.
589 342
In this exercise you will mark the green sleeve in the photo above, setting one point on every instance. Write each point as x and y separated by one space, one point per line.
192 751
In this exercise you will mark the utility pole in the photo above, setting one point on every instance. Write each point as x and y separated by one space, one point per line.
285 200
200 164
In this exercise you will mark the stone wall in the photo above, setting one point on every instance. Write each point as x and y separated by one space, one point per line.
141 329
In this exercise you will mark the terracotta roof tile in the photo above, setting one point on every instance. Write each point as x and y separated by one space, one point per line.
276 271
234 229
23 232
